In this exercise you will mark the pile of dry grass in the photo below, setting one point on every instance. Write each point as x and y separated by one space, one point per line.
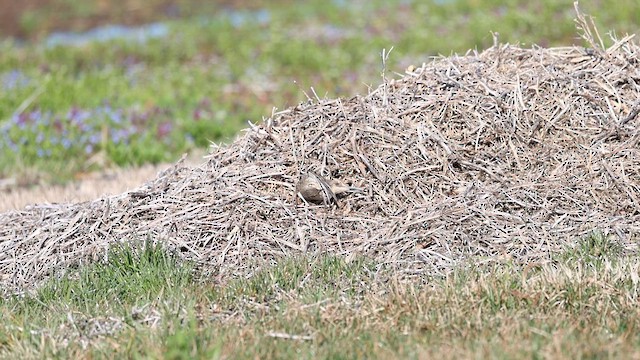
507 152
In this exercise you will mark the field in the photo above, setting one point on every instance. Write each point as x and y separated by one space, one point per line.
113 102
76 108
582 304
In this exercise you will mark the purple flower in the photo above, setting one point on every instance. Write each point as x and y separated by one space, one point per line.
36 116
94 139
119 135
42 117
57 125
115 117
13 80
77 117
21 120
164 129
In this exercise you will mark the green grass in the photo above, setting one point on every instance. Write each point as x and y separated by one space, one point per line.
144 302
209 76
595 248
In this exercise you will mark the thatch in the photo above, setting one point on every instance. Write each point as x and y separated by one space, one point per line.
508 152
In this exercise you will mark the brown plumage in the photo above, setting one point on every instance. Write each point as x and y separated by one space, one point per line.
314 188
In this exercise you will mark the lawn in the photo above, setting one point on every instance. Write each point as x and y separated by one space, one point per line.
143 302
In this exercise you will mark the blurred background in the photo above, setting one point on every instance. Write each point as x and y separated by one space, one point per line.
36 18
92 84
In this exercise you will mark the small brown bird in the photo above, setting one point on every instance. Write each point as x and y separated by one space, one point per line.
314 188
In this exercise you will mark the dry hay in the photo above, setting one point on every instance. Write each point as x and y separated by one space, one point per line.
511 151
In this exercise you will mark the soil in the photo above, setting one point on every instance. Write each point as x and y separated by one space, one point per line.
89 187
92 187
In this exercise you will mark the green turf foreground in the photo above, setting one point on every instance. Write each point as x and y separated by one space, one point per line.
144 303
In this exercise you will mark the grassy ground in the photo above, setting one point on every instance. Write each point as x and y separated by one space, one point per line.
142 302
67 109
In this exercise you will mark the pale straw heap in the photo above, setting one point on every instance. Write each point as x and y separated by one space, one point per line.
509 152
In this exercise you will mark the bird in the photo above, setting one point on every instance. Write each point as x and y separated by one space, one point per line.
314 188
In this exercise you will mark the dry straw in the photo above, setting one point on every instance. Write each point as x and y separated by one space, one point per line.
511 151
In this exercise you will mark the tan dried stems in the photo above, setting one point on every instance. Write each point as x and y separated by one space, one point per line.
508 152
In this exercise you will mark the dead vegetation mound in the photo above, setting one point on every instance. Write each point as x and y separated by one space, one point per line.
506 152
